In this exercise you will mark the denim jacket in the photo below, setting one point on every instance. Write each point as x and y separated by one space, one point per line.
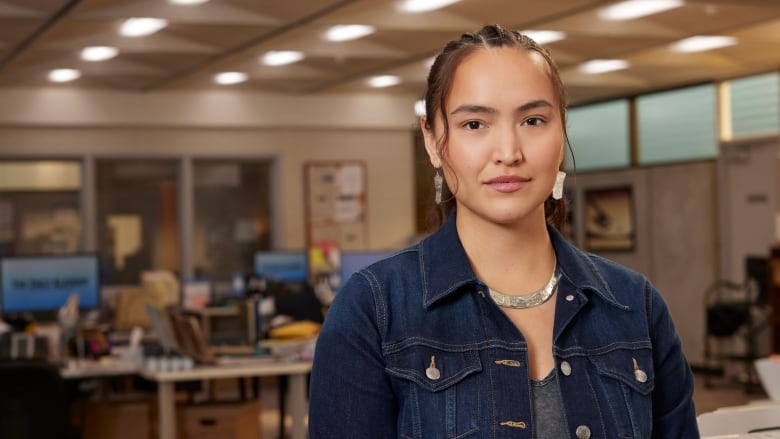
412 347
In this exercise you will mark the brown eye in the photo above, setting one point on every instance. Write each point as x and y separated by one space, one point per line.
534 121
472 125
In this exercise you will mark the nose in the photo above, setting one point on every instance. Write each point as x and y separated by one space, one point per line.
508 150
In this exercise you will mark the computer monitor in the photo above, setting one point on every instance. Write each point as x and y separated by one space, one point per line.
353 261
44 283
282 266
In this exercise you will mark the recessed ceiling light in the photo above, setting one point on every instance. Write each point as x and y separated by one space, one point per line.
701 43
64 75
384 81
544 36
596 66
98 53
230 78
139 27
188 2
281 57
424 5
628 10
346 32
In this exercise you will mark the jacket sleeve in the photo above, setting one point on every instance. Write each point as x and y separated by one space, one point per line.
674 415
350 394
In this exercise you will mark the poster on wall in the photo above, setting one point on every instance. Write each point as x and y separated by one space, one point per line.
609 219
335 212
571 231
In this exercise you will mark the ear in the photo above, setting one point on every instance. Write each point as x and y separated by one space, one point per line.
430 144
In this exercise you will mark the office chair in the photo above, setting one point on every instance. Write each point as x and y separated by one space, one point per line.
735 310
33 404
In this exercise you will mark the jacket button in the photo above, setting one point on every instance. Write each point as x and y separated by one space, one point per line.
566 368
583 432
432 372
569 297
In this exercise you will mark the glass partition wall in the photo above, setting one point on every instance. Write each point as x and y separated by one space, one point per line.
40 211
199 219
137 217
232 204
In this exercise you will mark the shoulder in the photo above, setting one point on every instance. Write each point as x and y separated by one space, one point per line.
613 282
378 278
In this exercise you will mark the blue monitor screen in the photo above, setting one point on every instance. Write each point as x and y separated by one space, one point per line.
354 261
282 266
44 283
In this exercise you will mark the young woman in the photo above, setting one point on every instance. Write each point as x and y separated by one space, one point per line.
496 326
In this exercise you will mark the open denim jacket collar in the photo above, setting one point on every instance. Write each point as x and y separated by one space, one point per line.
446 268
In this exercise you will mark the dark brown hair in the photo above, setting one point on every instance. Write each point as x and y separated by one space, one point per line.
440 83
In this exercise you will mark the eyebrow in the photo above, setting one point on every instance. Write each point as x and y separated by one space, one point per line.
539 103
534 105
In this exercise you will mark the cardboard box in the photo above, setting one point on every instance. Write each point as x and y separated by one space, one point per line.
117 420
222 420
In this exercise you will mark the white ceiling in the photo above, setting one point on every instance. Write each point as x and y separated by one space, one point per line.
230 35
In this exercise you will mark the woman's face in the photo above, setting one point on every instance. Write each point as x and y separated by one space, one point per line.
505 136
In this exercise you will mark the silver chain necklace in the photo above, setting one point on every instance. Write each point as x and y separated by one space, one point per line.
529 300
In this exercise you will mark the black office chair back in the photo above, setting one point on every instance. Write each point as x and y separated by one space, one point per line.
32 401
757 270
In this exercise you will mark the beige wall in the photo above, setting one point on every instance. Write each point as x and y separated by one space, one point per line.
53 122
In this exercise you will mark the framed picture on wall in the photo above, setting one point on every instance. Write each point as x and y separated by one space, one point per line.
571 231
609 219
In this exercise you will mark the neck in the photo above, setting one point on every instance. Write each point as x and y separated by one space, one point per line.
515 259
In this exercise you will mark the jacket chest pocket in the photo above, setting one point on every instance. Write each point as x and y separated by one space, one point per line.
439 391
628 379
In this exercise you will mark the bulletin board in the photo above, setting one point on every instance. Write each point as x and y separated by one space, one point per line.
336 206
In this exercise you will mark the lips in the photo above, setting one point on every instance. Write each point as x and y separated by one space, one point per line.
507 183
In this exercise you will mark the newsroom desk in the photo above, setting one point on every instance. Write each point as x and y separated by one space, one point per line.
297 371
738 421
87 369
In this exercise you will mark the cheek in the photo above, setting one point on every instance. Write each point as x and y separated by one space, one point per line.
549 154
465 159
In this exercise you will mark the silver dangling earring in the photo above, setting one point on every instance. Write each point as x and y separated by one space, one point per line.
437 185
558 186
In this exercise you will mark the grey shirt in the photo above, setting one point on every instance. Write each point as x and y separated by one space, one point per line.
549 421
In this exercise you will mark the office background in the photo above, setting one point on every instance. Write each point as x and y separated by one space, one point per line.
688 227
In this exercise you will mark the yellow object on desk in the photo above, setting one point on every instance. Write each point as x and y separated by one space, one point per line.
299 329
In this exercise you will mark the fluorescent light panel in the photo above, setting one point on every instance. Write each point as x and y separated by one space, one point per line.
230 78
701 43
382 81
346 32
141 26
98 53
64 75
632 9
598 66
415 6
281 57
544 36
